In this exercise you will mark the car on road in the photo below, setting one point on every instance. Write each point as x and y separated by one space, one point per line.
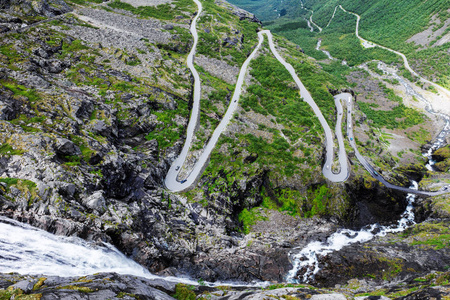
351 139
183 181
177 168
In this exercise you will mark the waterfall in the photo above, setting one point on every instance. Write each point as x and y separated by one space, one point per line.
308 257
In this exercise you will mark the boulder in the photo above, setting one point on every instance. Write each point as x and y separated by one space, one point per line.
96 201
66 147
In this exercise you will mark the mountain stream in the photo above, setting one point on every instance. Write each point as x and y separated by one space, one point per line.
308 257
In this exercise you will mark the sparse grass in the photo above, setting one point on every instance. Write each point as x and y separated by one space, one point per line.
6 149
162 11
82 289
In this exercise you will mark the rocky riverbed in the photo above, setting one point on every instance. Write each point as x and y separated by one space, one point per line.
114 286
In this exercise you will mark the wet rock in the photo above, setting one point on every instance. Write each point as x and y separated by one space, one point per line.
100 286
25 285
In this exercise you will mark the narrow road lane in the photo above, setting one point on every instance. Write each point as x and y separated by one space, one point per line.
173 184
348 100
369 44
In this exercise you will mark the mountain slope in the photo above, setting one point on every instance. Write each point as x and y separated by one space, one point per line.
400 25
94 107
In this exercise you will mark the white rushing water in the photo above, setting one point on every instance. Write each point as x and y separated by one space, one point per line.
308 257
27 250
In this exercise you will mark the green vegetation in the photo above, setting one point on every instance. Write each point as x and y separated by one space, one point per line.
23 119
286 285
249 218
433 235
12 293
82 289
20 90
73 47
318 205
384 22
39 283
242 35
86 152
168 132
166 11
398 117
284 200
7 149
184 292
27 187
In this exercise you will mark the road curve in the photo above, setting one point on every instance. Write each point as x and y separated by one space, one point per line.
369 44
347 98
171 181
329 145
310 18
173 184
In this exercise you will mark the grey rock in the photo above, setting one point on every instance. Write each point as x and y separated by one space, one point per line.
328 297
66 147
100 127
96 201
168 26
67 189
41 52
25 285
9 108
43 190
36 81
51 65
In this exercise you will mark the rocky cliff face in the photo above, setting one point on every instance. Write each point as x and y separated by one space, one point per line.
93 109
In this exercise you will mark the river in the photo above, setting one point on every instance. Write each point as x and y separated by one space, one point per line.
308 257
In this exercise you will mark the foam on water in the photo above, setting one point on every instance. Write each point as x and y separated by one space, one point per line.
307 258
28 250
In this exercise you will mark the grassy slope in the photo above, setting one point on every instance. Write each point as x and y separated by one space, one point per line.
389 23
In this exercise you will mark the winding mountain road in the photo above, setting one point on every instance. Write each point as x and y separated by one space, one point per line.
171 181
369 44
173 184
347 98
